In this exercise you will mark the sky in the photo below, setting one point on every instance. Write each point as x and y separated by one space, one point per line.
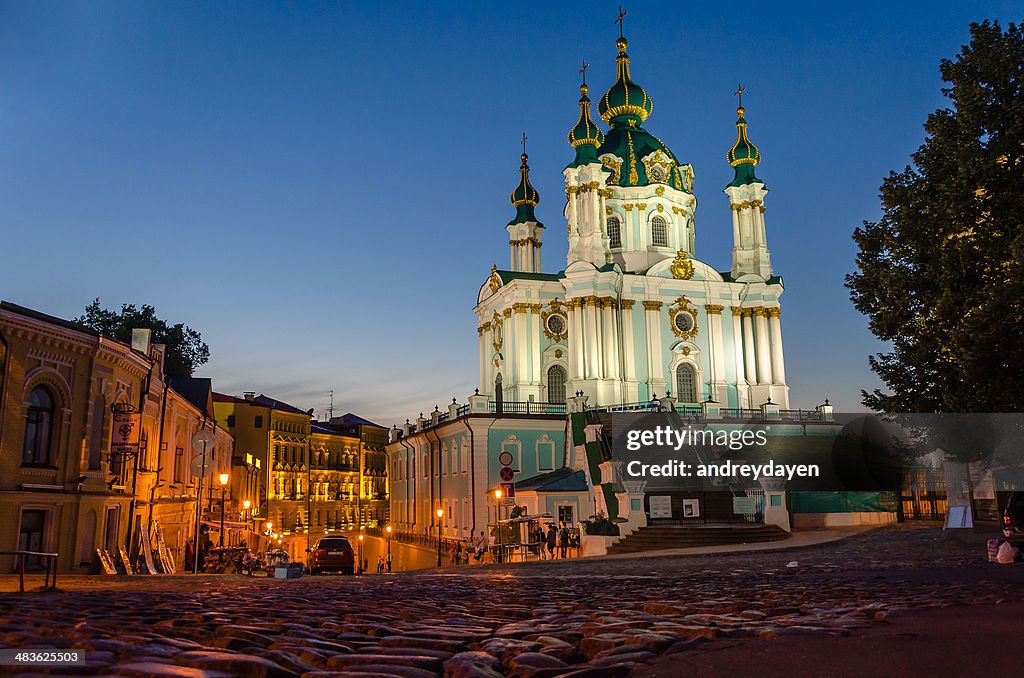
321 188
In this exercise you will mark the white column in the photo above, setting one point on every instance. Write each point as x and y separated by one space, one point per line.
611 340
484 359
535 330
775 327
628 340
764 360
652 311
735 226
716 347
576 342
737 340
593 370
522 345
748 345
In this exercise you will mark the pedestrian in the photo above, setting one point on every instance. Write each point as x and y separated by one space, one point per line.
563 540
457 553
190 556
481 546
380 564
552 537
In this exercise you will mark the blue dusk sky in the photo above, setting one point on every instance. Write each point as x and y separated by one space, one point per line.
321 188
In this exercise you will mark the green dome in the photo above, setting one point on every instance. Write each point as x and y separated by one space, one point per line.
525 197
586 136
645 159
625 102
743 156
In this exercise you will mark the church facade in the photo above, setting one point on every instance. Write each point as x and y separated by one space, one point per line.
635 314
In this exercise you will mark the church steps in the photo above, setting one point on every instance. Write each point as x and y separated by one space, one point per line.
659 537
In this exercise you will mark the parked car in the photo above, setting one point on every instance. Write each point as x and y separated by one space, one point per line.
331 553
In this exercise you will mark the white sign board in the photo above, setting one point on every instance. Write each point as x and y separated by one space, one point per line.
744 505
661 506
691 508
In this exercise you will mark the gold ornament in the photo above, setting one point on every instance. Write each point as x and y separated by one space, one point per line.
682 267
494 280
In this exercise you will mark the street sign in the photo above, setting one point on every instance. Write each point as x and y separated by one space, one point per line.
202 465
203 440
506 474
742 505
508 501
508 490
505 458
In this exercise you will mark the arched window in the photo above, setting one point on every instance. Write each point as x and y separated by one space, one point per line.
686 383
614 233
659 232
556 384
38 427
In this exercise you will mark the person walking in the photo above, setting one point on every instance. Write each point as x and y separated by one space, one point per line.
380 564
563 540
551 539
481 547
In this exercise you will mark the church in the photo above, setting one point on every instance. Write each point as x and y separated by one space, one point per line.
634 314
633 321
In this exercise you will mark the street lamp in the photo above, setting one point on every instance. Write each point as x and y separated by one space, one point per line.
440 514
497 521
388 528
223 488
359 565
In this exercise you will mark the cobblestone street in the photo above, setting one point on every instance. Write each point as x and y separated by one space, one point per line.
599 617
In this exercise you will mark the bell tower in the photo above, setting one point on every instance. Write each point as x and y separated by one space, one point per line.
750 255
524 231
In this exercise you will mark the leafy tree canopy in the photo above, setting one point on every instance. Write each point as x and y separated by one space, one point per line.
185 351
939 275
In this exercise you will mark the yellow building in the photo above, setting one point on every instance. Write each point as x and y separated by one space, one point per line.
319 477
63 488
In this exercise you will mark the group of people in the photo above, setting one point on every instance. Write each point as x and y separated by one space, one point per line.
555 541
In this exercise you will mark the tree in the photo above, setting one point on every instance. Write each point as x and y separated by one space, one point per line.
939 275
185 351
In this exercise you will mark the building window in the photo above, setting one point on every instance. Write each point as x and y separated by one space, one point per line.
231 421
686 383
38 427
659 232
556 384
259 421
614 233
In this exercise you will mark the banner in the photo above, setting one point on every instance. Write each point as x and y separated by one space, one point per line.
124 435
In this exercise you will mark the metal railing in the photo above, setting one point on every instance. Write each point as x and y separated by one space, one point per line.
513 407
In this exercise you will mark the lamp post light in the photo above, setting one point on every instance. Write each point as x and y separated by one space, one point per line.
223 488
359 565
440 514
388 528
497 521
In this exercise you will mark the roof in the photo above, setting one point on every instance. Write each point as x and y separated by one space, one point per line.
53 320
260 400
509 276
325 428
562 480
354 419
267 401
196 390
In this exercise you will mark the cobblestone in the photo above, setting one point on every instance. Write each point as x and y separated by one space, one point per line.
600 617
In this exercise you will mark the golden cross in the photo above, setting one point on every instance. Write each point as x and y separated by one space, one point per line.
740 89
622 14
584 71
523 142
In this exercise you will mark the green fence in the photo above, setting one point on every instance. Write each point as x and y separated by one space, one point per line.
842 502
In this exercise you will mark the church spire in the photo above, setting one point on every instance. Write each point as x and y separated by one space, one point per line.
525 197
524 230
585 136
743 156
625 102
